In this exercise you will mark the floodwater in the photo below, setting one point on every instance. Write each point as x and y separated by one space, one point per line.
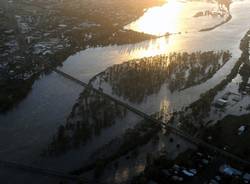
177 16
86 64
31 124
26 129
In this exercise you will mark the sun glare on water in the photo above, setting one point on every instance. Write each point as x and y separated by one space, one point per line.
176 16
151 24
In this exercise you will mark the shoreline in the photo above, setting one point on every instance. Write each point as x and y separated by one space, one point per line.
218 25
57 60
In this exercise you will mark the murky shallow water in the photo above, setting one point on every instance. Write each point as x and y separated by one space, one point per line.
31 124
37 117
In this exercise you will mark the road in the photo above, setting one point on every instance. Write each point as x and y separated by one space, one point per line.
170 128
174 130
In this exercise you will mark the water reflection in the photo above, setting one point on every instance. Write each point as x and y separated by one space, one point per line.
178 16
135 80
86 64
150 21
88 118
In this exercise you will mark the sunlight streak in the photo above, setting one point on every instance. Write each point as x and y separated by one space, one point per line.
177 16
169 12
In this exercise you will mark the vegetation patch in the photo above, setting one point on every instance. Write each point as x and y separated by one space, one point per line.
136 79
89 117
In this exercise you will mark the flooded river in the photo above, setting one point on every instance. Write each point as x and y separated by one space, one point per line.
86 64
178 17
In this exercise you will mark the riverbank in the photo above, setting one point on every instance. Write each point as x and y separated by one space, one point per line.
19 139
220 24
195 118
61 38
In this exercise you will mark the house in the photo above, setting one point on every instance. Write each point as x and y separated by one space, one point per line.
220 103
226 96
246 178
236 98
247 88
228 170
241 130
188 173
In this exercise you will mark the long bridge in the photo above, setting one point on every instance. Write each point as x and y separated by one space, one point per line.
74 178
172 129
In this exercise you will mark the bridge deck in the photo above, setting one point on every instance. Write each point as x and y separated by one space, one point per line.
174 130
